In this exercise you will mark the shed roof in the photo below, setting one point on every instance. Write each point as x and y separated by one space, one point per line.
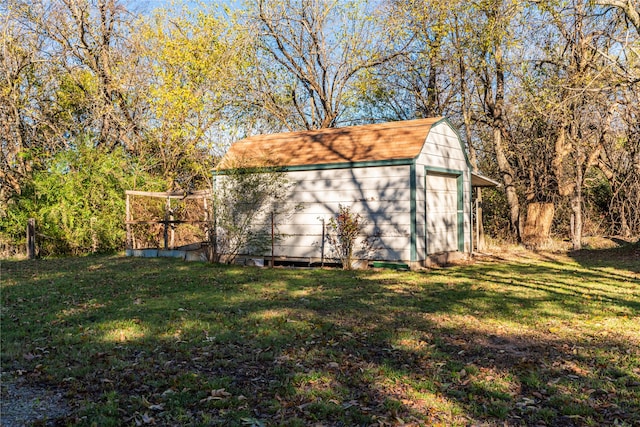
479 180
374 142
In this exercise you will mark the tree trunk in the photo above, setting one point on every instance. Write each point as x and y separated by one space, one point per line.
576 212
576 222
625 230
473 156
496 110
509 184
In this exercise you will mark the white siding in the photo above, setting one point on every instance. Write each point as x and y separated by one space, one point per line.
380 194
442 152
442 213
442 149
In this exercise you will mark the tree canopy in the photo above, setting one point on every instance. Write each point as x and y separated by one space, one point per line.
544 92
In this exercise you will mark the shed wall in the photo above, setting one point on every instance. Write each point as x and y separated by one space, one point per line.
442 154
380 194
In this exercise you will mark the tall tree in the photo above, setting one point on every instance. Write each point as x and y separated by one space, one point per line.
66 71
93 35
21 88
417 82
574 101
308 56
193 61
493 36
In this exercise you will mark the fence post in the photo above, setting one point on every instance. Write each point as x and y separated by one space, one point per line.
273 262
322 244
128 244
166 223
31 238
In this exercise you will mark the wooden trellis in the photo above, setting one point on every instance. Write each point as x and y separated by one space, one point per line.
168 221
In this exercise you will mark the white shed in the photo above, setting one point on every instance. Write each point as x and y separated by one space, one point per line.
410 180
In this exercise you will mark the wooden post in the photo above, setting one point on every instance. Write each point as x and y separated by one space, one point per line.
272 240
128 244
477 226
31 238
166 224
216 256
480 240
322 245
173 231
214 223
207 228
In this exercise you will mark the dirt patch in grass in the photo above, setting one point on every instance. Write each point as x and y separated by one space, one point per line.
22 404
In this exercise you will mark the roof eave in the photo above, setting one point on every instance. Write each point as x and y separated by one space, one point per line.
478 180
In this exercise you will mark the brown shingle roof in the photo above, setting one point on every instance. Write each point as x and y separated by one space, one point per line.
383 141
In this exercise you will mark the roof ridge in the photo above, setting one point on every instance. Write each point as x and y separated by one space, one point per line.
354 128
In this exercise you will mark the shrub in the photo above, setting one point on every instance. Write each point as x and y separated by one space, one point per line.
344 229
77 201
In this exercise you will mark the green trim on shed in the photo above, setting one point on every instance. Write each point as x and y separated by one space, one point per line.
471 243
460 182
349 165
329 166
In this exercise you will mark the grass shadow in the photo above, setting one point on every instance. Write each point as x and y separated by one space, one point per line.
626 256
131 340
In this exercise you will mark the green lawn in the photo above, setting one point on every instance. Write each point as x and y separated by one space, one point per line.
535 340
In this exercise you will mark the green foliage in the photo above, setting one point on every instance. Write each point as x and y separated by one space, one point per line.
244 200
74 97
194 61
598 196
495 213
78 201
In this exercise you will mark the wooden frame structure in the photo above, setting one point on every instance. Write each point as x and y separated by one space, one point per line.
168 221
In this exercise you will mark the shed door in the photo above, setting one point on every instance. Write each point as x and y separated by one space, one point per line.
441 212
